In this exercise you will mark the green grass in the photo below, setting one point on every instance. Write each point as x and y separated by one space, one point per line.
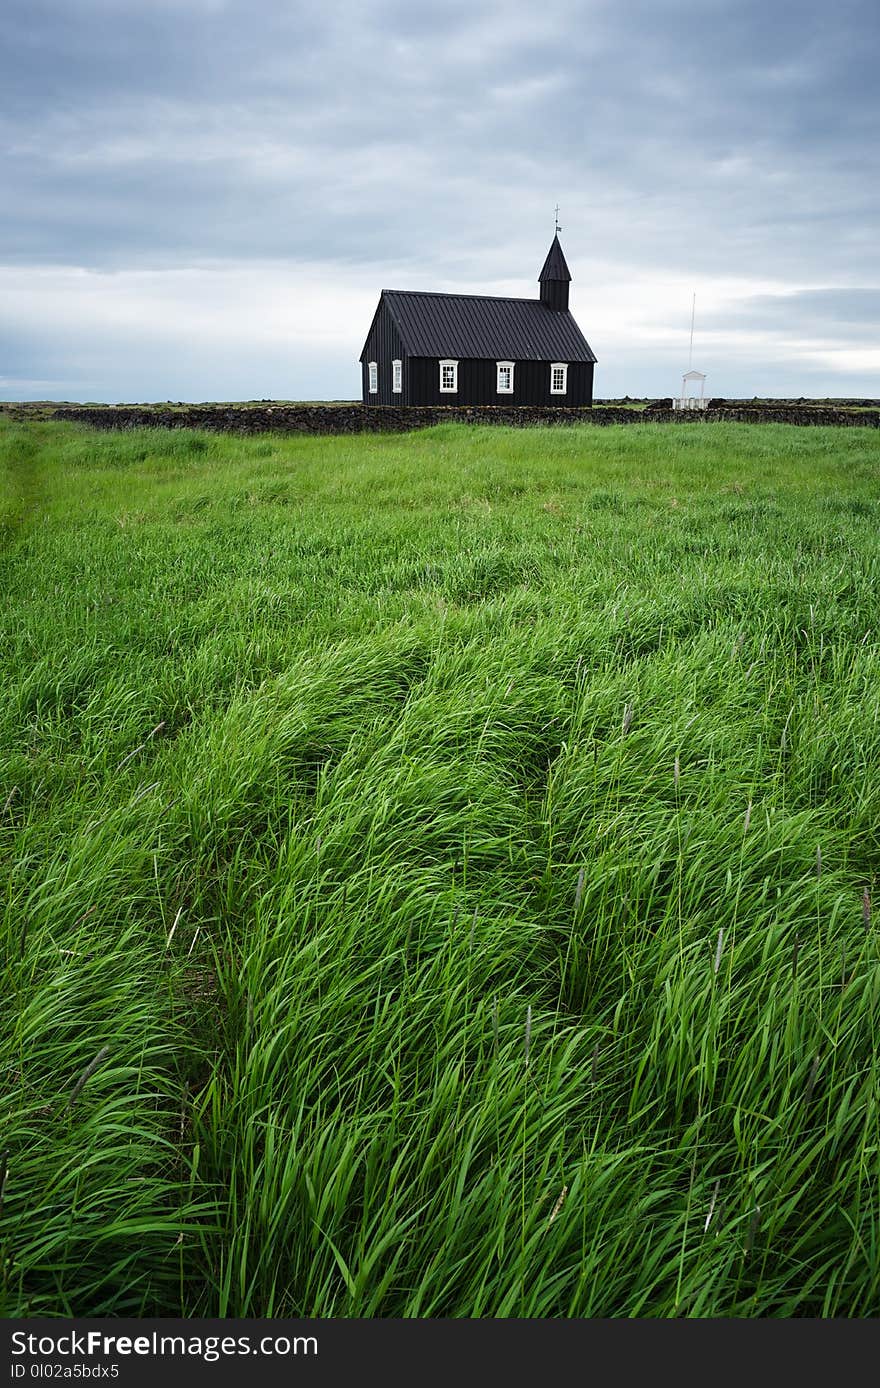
458 852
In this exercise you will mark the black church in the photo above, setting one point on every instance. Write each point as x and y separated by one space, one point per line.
473 349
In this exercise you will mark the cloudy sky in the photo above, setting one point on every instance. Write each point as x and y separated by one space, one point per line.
202 198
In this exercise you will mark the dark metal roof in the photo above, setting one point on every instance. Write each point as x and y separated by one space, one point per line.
555 267
478 326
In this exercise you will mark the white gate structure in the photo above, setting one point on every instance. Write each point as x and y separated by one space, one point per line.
688 400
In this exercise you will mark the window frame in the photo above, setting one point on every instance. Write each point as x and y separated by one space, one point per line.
504 366
372 378
397 376
563 367
453 389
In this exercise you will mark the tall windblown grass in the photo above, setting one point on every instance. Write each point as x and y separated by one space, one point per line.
438 873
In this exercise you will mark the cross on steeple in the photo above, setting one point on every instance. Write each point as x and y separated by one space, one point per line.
558 228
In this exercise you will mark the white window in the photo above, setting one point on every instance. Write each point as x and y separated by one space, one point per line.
374 378
448 377
504 385
397 377
559 378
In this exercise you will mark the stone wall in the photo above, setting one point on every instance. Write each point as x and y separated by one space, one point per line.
319 419
769 414
356 419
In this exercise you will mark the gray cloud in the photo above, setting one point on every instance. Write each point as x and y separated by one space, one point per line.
847 315
427 145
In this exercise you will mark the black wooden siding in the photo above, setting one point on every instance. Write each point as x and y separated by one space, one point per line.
477 382
383 346
477 377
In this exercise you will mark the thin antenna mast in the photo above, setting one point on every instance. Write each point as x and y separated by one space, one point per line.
693 311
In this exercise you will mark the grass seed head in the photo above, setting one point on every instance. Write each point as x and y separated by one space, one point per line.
711 1210
783 741
579 890
87 1074
560 1201
173 928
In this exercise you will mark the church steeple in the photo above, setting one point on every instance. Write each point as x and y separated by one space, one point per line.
554 279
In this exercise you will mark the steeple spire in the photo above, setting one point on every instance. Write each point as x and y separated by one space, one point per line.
555 278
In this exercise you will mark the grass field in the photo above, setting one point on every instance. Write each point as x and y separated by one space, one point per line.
439 873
